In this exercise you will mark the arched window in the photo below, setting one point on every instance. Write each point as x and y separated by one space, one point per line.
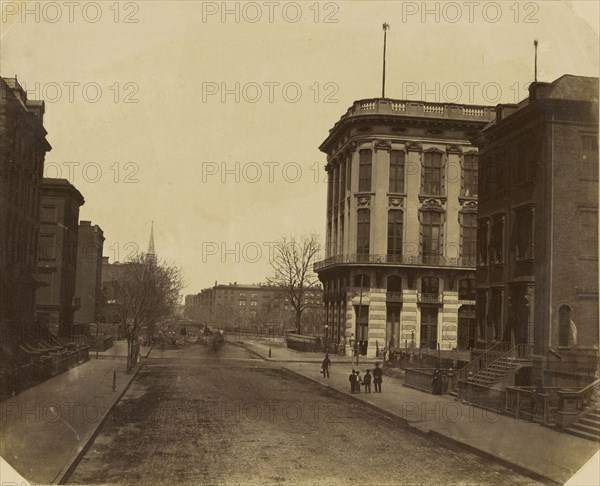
395 224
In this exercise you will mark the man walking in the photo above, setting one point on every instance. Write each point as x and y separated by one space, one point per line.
325 366
377 378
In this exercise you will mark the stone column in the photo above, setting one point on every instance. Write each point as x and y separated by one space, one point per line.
447 332
408 318
413 187
379 203
376 320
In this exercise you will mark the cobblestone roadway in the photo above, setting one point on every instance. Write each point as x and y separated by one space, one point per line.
227 419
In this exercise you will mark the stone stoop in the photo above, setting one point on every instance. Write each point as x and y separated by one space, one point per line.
496 371
587 426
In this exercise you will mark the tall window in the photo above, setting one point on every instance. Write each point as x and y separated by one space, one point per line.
395 220
341 244
469 236
481 311
364 170
497 240
363 231
430 285
467 289
470 174
329 192
589 156
342 179
482 242
335 245
431 228
429 318
564 325
336 187
349 173
494 318
524 161
588 233
524 233
432 173
397 171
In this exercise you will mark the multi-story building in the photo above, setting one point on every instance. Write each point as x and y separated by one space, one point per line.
401 224
88 284
537 269
256 306
22 153
56 301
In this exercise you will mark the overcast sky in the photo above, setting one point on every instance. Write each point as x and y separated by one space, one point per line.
137 119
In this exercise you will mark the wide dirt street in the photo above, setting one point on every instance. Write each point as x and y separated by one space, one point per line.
198 416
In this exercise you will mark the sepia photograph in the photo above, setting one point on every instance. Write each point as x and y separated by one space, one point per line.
299 243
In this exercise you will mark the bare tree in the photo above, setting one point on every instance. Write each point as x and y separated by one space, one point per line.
147 291
292 264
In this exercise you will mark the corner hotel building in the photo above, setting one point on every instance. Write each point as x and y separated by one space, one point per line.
401 234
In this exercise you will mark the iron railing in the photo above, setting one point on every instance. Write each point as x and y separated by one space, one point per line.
421 260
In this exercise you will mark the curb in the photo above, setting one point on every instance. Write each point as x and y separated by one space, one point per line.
436 436
503 462
63 476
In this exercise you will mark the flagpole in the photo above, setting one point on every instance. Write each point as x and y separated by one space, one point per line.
386 27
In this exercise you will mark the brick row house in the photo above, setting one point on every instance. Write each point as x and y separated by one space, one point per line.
38 250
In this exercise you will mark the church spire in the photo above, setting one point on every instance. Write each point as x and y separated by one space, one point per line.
151 254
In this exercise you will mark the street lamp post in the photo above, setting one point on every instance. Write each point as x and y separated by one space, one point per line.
326 337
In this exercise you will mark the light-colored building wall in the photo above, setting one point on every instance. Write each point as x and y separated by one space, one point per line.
414 128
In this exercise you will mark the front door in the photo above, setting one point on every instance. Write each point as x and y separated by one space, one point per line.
429 324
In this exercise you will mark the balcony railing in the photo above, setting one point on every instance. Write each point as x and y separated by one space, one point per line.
428 298
421 260
393 297
420 108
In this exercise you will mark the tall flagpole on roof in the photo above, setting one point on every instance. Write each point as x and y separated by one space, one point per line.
386 27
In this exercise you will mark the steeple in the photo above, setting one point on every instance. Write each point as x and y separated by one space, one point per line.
151 254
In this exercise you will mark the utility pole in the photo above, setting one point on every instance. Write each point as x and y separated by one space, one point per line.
386 27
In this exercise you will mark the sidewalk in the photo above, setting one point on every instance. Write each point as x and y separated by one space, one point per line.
281 353
119 350
46 428
532 449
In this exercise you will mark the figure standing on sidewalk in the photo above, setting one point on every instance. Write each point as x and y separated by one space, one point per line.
358 381
436 382
325 366
352 379
377 378
367 382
